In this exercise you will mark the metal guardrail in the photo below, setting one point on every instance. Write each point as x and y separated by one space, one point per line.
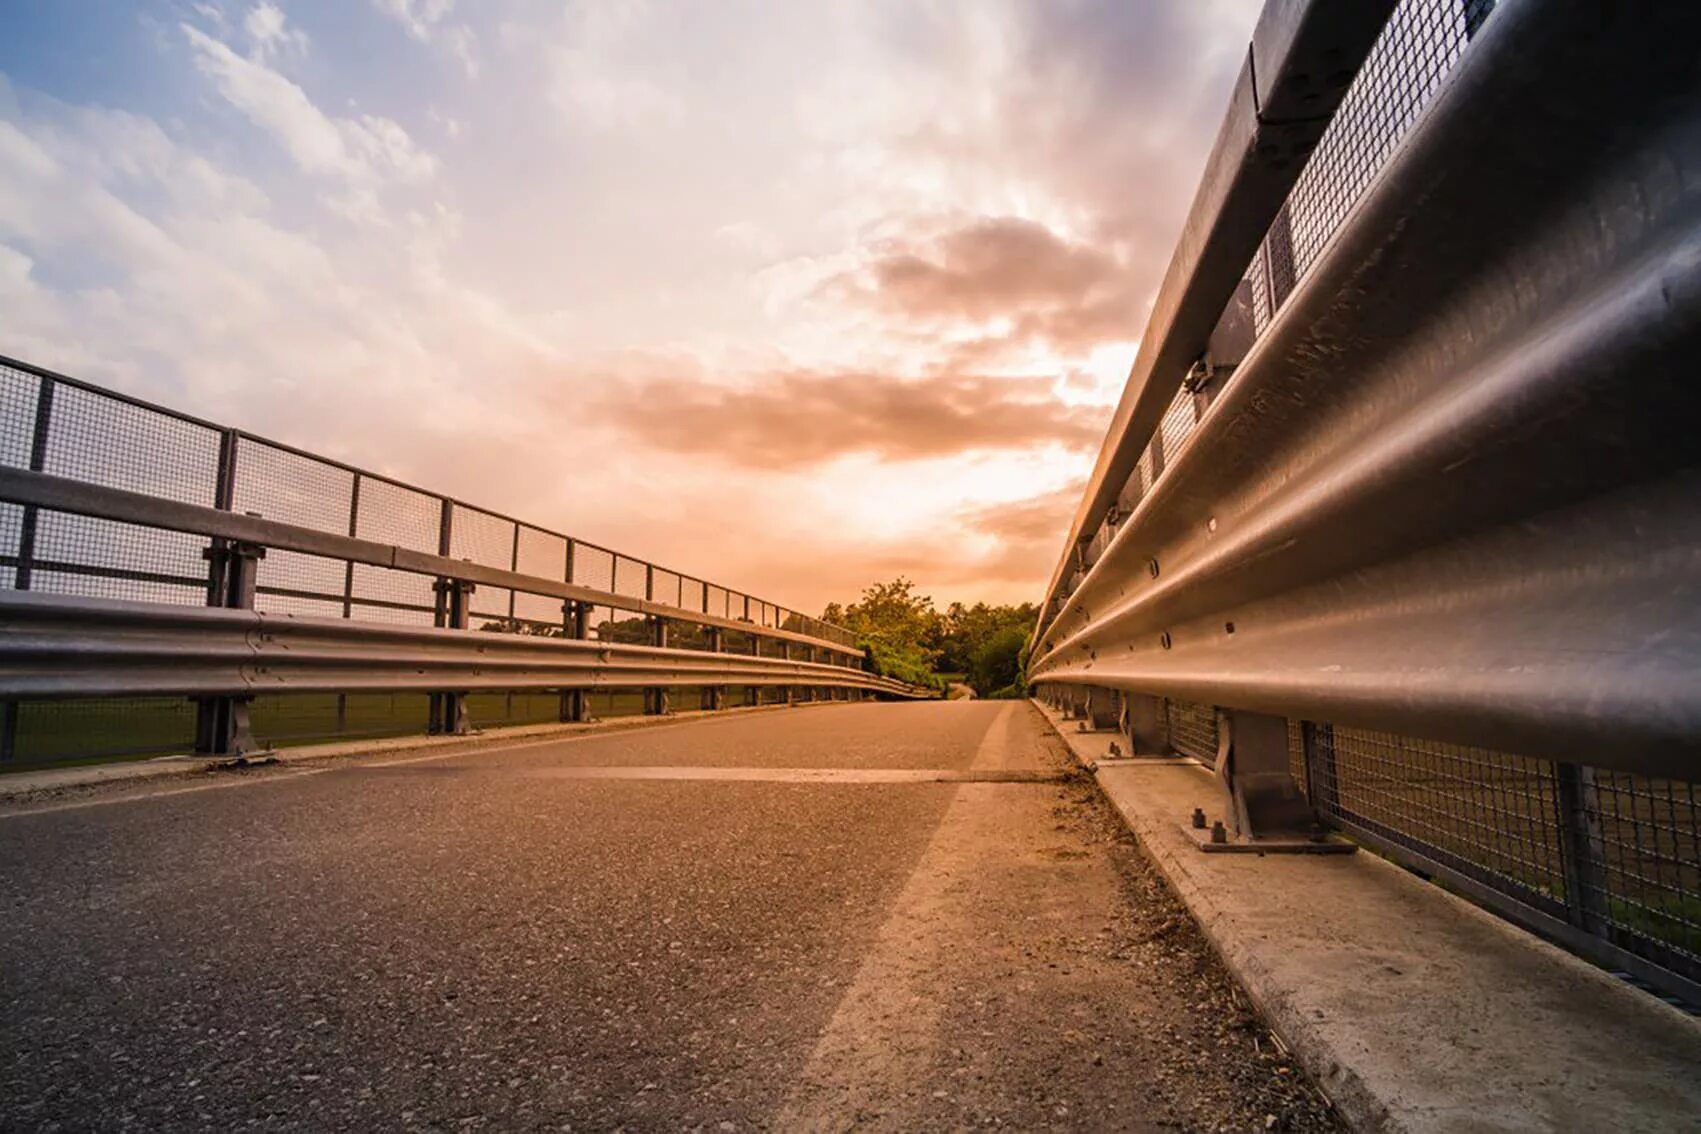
103 497
1424 489
58 647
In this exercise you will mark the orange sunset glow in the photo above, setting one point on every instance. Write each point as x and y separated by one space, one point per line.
795 297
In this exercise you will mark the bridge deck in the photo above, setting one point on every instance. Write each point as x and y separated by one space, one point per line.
507 936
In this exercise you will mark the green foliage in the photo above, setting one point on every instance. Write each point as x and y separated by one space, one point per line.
995 670
907 638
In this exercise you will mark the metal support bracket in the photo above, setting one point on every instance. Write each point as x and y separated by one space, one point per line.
454 605
222 725
1267 811
1143 722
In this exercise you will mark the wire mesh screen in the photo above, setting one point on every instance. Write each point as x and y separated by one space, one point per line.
94 558
56 732
1642 877
1488 814
1193 729
664 587
488 540
99 439
405 517
1406 67
1177 425
1615 854
286 486
593 567
292 583
716 601
631 577
18 392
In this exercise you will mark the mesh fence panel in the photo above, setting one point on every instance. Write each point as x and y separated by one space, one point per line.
630 577
18 393
290 488
1177 425
395 514
1488 814
593 567
693 594
384 595
488 540
1193 729
94 558
109 442
58 731
1643 877
292 583
664 587
541 553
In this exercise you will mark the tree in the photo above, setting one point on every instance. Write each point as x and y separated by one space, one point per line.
908 638
996 668
896 625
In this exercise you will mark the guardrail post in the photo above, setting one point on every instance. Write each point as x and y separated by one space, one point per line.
575 617
655 699
1252 765
222 726
714 696
1103 707
1143 722
1581 846
449 710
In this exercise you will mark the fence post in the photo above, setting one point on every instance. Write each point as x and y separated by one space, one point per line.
655 698
1582 847
574 617
1321 786
26 543
449 709
222 725
714 696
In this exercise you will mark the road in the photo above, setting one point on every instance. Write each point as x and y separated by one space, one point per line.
775 920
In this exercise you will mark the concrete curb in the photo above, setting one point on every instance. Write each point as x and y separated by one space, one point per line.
19 787
1412 1009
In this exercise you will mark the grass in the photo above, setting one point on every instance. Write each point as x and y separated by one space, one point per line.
69 733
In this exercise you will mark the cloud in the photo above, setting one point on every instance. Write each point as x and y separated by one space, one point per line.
1017 275
595 69
805 418
426 21
364 149
270 32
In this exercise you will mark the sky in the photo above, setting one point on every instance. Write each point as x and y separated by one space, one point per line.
795 295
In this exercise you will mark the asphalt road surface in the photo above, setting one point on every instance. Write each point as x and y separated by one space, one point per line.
874 916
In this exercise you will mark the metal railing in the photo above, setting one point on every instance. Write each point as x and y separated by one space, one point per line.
1407 462
148 556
